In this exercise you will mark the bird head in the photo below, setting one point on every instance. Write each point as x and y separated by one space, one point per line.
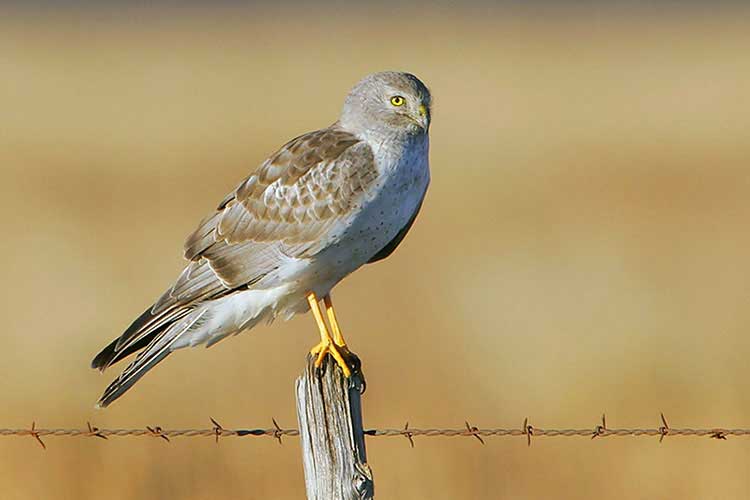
389 103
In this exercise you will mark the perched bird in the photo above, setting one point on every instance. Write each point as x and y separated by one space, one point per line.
316 210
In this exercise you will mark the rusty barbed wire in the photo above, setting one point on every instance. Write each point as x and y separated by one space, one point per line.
526 430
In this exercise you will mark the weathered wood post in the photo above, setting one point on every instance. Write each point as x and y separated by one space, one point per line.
329 411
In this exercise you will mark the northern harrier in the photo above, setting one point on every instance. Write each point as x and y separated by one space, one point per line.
319 208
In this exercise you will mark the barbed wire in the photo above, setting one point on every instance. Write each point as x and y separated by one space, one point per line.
526 430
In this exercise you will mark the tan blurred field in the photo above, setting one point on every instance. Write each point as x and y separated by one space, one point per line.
584 247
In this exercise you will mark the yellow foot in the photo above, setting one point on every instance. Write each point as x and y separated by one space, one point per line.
340 354
334 345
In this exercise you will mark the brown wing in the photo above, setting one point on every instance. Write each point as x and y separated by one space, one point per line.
285 209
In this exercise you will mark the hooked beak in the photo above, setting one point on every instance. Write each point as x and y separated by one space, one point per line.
423 118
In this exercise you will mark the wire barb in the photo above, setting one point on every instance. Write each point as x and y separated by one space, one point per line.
600 429
94 431
664 429
157 432
278 431
218 429
528 430
473 431
718 435
409 435
35 434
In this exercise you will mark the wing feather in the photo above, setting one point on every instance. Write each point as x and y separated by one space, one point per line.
283 210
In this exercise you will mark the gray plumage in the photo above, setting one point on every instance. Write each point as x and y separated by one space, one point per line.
324 204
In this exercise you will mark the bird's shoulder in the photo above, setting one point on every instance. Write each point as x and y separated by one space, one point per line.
294 159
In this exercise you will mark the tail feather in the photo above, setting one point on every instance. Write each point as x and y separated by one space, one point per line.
138 335
158 349
110 355
155 336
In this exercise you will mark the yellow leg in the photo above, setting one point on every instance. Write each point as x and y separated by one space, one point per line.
312 299
338 338
327 344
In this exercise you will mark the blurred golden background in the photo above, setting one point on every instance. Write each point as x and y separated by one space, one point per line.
584 247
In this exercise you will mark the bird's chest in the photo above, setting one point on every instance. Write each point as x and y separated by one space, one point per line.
391 206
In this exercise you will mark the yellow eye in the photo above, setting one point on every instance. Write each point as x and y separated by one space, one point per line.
397 100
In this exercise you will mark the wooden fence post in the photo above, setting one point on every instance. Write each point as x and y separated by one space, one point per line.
329 411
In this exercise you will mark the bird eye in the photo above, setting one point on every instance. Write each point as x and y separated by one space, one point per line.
397 100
